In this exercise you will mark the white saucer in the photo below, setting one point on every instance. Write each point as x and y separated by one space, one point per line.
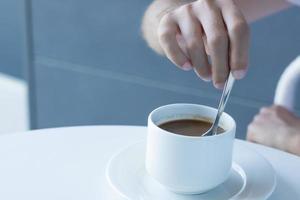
251 177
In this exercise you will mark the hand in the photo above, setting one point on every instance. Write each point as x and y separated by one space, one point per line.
189 33
276 127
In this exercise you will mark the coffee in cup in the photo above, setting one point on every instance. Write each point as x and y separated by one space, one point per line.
189 127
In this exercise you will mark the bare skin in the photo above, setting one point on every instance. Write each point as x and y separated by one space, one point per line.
277 127
190 32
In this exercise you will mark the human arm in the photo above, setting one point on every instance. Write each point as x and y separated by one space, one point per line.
277 127
187 31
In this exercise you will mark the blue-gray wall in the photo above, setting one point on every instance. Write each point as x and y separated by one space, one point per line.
11 36
91 66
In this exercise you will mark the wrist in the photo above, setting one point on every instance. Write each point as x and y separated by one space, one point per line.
297 145
294 142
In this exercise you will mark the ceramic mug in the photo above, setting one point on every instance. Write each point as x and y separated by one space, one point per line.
188 164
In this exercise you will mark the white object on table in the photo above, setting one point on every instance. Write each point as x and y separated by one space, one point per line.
251 177
70 163
13 104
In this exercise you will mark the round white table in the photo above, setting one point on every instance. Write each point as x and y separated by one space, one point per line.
70 163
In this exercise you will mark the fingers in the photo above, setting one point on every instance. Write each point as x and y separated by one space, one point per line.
251 133
252 136
192 33
212 27
265 128
167 31
238 33
256 133
274 127
217 40
254 128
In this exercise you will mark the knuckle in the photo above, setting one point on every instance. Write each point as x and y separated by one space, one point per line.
250 134
203 3
240 27
250 127
185 8
166 19
165 29
217 40
263 110
164 34
249 130
192 44
257 118
198 4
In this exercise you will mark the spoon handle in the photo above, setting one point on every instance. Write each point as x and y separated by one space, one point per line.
225 95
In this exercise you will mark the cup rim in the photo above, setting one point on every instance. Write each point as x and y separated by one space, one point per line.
226 132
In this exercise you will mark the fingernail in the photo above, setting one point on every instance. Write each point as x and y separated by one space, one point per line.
239 74
207 79
219 85
187 66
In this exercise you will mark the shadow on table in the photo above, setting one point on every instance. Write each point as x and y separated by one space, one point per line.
283 190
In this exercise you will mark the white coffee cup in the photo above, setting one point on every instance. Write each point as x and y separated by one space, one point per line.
188 164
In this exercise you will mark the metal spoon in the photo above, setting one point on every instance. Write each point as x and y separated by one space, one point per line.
226 92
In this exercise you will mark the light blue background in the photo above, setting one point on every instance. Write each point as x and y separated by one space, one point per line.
92 66
11 36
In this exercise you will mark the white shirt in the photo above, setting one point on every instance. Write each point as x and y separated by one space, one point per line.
286 90
297 2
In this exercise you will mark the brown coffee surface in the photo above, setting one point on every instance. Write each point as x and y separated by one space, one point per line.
189 127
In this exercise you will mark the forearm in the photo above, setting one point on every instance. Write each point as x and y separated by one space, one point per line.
251 9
